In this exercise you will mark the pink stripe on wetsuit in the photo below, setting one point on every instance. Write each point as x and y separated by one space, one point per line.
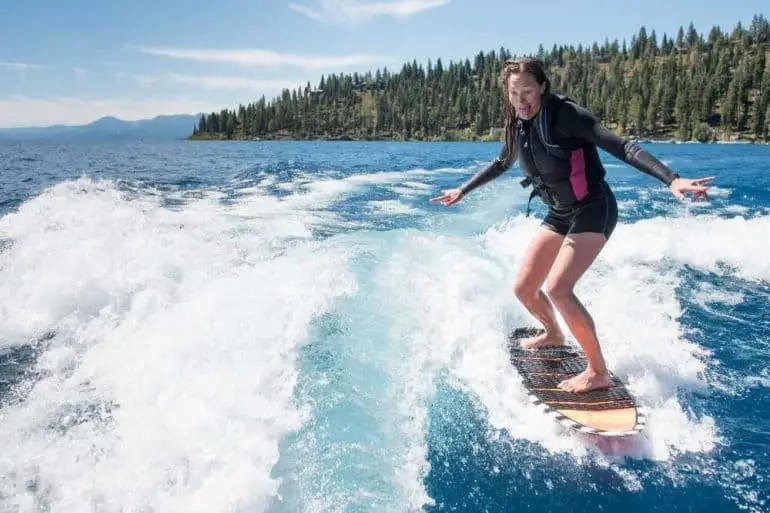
577 175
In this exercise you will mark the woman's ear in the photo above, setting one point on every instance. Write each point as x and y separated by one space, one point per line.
542 88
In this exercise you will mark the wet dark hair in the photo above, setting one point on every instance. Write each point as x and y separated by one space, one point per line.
534 67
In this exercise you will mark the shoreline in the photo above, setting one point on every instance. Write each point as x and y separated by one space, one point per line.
662 135
644 140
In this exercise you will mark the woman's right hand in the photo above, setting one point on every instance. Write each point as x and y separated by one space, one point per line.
449 197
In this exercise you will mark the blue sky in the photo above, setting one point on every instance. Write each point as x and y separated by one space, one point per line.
74 61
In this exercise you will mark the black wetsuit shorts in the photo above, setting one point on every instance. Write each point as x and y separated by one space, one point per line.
598 213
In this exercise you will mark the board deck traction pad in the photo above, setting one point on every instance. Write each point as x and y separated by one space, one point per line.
543 369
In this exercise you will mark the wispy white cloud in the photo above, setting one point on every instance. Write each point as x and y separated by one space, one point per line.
355 11
233 83
19 111
22 66
20 69
251 58
214 82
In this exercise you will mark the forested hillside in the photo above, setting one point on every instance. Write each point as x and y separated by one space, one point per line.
689 86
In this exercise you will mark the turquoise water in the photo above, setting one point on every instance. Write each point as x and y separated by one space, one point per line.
286 326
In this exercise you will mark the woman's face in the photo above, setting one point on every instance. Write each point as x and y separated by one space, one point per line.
524 93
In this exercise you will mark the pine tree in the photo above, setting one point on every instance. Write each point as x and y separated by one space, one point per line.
766 124
730 107
652 45
637 112
682 109
760 107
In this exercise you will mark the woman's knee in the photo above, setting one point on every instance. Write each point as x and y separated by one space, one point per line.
558 288
525 290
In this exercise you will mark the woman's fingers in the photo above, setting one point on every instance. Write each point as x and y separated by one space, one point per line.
699 190
449 197
696 186
440 198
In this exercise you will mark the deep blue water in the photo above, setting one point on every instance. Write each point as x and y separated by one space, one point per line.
286 326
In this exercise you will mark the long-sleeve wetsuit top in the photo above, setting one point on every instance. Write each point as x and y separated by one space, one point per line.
573 170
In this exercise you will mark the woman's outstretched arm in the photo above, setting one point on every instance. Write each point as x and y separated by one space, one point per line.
575 121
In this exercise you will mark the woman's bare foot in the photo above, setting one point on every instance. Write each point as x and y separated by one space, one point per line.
586 381
543 340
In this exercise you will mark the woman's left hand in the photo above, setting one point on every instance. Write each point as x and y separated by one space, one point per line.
682 185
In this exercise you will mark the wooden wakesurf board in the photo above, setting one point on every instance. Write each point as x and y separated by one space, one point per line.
609 412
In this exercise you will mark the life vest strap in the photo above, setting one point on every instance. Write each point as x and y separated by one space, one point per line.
531 195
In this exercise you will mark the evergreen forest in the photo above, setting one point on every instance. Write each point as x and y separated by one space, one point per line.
688 86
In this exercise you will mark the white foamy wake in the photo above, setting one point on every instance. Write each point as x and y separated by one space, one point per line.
367 449
458 290
631 294
706 242
168 383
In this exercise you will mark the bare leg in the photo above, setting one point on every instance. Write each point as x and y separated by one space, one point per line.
538 260
576 255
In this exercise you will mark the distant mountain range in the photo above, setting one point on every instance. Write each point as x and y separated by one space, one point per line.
160 127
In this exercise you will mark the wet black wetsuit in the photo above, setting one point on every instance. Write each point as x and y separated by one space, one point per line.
558 154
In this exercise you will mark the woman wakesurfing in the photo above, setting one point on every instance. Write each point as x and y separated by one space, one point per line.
556 143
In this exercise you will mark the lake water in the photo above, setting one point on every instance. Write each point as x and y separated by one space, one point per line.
293 326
